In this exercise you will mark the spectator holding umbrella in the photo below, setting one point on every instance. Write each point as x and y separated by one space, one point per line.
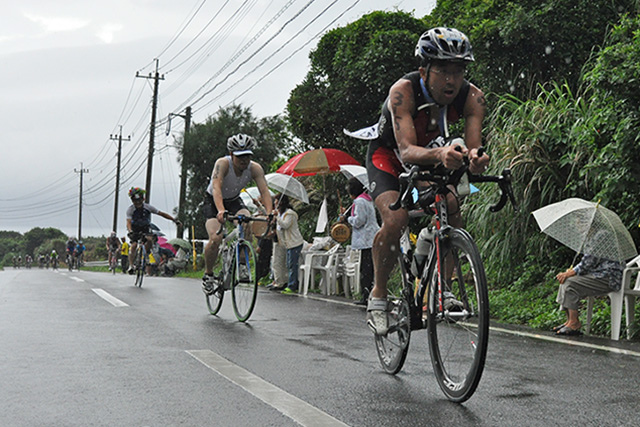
362 218
289 236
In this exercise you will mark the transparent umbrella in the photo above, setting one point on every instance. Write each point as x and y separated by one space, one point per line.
288 185
588 228
356 171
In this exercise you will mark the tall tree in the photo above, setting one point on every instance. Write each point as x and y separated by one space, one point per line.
351 71
36 236
519 44
208 141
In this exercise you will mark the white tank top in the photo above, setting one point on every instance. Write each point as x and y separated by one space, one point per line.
232 183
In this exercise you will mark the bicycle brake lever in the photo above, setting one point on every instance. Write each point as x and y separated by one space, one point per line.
506 192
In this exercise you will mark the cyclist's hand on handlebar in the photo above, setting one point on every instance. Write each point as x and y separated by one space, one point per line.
478 163
222 217
452 156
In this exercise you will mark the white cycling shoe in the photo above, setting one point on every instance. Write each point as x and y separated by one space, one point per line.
377 318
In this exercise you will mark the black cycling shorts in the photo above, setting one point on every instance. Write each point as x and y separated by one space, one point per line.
231 205
138 232
383 168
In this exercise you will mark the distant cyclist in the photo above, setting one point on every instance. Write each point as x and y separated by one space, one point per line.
70 249
113 247
54 259
230 175
80 248
139 221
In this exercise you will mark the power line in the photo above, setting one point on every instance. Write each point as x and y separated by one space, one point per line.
238 54
264 75
184 27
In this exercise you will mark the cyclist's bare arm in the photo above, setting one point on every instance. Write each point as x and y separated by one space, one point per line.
167 216
257 173
474 112
220 170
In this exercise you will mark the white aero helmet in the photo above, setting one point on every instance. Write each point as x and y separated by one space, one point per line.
241 144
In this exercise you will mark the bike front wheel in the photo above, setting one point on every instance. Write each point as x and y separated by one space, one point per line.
139 265
214 300
244 284
458 329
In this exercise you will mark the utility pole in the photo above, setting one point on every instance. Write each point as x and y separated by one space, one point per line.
183 173
82 171
152 129
115 207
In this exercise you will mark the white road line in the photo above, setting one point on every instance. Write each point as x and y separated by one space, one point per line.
291 406
109 298
568 342
77 279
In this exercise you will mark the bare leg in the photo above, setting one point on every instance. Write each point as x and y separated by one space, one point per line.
573 320
132 252
386 242
211 249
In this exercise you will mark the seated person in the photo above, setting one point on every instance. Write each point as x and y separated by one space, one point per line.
591 277
179 261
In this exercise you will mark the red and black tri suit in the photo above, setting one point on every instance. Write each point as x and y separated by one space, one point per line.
383 163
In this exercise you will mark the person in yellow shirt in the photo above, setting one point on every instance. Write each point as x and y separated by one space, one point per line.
124 255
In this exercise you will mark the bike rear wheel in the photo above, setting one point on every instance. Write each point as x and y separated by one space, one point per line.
214 301
139 264
458 338
244 283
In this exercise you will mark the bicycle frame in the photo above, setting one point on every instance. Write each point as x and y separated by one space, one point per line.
452 278
234 253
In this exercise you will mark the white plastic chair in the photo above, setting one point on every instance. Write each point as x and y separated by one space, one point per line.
328 271
626 294
309 259
351 277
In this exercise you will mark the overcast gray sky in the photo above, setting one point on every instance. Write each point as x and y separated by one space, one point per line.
68 82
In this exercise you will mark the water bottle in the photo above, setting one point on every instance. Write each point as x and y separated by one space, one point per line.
423 250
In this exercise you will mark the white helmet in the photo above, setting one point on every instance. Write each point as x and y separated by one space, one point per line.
241 144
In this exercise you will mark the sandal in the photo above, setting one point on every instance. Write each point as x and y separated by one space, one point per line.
567 331
557 328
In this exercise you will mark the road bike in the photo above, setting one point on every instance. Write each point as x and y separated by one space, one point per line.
444 269
235 270
70 260
140 257
113 260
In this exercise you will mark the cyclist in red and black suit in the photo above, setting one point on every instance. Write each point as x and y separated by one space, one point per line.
413 129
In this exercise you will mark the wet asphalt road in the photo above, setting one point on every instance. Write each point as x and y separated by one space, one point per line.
68 357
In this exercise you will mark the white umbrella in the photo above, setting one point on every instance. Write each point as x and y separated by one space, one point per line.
248 195
587 228
359 172
286 184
